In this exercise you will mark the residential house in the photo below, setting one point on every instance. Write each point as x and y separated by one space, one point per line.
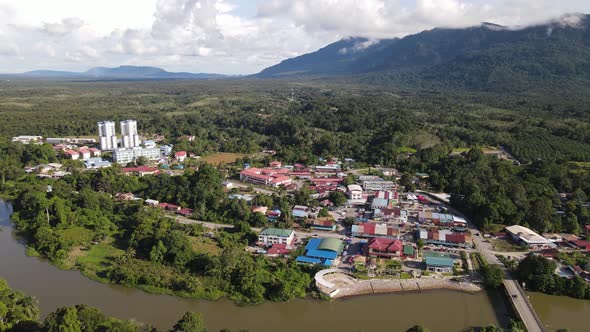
385 247
151 202
84 153
180 156
74 155
271 236
169 207
95 152
186 212
275 164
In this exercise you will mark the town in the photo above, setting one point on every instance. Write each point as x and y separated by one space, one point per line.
367 232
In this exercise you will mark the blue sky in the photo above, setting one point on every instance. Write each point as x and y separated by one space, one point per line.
228 36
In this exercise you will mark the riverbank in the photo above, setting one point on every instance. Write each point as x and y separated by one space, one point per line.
338 284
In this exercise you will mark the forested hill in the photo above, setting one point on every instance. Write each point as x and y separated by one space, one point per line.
486 57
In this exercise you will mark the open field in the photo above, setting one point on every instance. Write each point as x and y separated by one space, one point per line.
223 158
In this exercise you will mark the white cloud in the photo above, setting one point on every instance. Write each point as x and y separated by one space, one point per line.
209 35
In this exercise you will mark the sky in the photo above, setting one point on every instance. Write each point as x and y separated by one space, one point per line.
228 36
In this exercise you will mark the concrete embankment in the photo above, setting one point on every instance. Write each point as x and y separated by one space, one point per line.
344 285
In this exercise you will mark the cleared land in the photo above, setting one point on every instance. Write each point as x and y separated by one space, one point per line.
223 158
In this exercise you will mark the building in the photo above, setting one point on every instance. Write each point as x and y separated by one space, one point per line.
444 237
378 185
355 192
152 202
275 164
409 251
165 149
322 251
95 152
28 139
527 237
385 247
375 230
300 211
323 224
74 155
140 170
94 163
440 264
84 153
271 236
107 135
266 176
129 136
180 156
125 156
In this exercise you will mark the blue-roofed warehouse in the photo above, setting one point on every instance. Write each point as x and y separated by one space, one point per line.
322 251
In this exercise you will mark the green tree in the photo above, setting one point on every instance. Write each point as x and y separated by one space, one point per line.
493 275
190 322
337 198
324 213
417 328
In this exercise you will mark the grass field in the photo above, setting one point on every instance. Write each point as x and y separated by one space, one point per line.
202 244
94 260
223 158
502 245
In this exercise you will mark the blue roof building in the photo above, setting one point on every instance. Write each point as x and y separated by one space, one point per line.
322 251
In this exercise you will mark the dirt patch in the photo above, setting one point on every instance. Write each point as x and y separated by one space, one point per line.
223 158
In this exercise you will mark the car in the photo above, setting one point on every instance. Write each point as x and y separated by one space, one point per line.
514 296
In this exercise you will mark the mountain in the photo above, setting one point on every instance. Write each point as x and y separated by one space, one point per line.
488 56
122 72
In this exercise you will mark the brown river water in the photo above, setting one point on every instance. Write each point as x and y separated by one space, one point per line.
438 310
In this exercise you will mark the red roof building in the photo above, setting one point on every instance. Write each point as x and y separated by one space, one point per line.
581 244
275 164
278 249
270 177
180 155
169 207
186 212
140 170
384 247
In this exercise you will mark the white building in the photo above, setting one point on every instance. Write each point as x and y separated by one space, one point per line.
270 236
378 185
28 139
527 237
129 136
355 192
125 156
107 134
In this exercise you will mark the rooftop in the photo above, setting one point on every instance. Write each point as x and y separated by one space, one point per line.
526 235
440 261
276 232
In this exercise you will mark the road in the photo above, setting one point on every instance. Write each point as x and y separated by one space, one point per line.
519 300
299 234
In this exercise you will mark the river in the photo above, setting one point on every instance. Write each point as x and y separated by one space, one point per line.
439 310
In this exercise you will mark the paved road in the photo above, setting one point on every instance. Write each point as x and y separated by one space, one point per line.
299 234
520 302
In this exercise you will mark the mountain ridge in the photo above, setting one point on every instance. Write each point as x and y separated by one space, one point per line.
484 57
120 72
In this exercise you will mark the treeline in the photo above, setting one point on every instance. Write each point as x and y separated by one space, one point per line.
492 191
159 253
331 119
538 274
20 313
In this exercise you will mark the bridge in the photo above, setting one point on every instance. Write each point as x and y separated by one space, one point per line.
515 293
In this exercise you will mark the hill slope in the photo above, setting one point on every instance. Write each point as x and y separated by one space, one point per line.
485 57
